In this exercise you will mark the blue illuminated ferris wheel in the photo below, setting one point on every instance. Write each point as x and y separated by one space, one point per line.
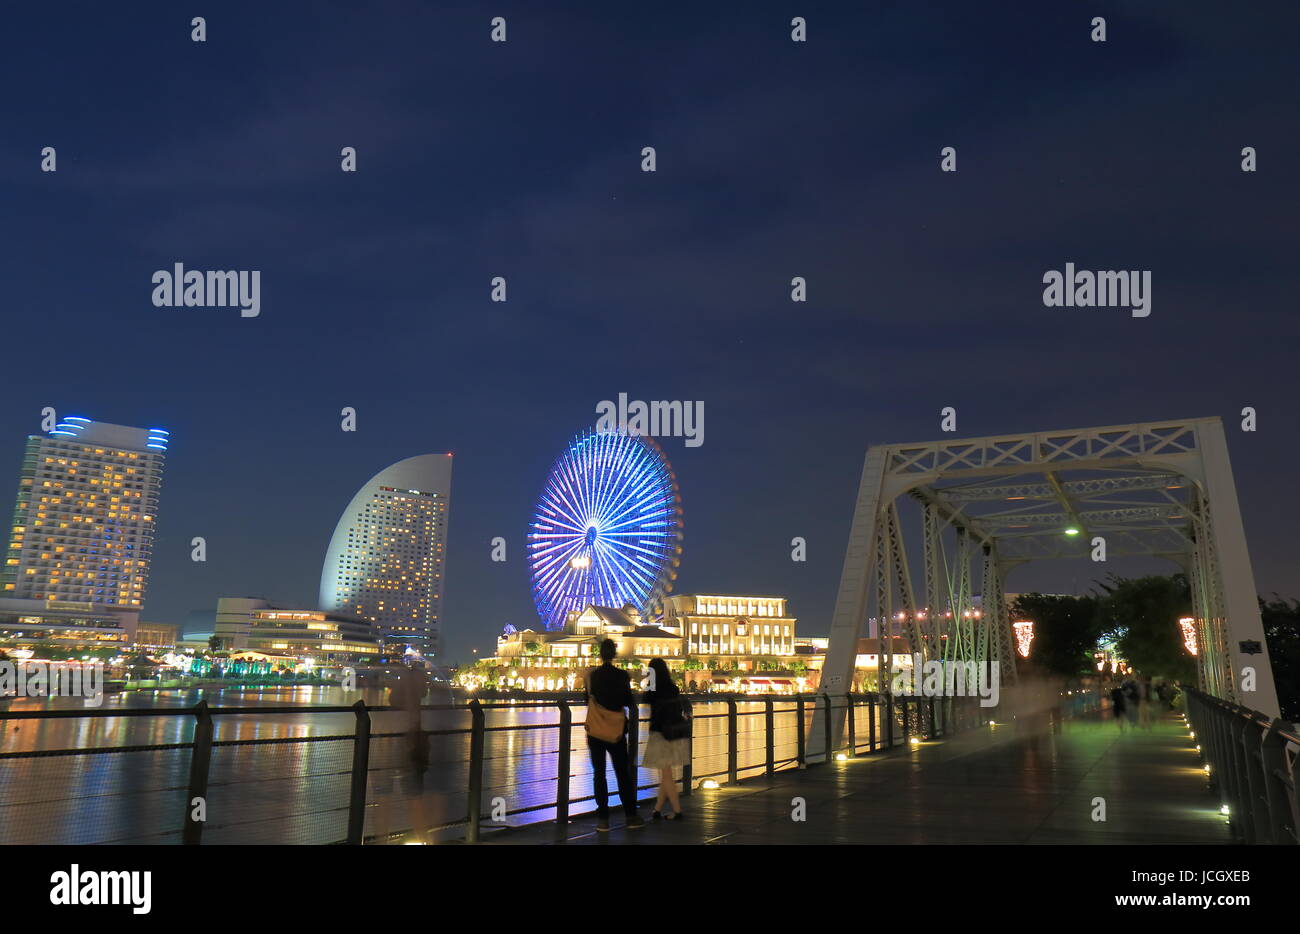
607 529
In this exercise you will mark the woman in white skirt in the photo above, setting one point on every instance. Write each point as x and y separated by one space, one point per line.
669 744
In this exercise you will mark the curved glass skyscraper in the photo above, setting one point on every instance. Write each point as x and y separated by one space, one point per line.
386 559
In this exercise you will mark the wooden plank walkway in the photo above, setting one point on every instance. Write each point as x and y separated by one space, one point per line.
994 785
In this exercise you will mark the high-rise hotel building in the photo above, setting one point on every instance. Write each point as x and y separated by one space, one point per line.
387 557
83 528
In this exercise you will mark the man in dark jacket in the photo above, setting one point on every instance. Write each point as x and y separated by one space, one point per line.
612 689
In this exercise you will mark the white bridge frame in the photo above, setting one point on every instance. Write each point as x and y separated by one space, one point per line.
1160 489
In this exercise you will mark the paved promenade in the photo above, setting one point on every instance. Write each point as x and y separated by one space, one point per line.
994 785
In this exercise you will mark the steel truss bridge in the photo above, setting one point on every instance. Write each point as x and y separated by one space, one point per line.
989 505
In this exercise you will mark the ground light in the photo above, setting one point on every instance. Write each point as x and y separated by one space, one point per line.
709 784
1207 768
1071 531
915 741
841 757
1224 811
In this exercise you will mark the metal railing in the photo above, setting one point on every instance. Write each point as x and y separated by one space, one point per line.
1253 766
221 781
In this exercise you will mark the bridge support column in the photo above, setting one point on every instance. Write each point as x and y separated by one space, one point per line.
1244 630
856 579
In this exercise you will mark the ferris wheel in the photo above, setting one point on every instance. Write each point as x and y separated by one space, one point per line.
607 530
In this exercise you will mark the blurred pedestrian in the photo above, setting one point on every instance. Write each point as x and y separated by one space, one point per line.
406 695
1117 705
1145 699
1132 700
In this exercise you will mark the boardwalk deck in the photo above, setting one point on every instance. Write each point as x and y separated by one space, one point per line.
996 785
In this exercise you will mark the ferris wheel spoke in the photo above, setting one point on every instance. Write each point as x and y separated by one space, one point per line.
615 490
626 565
634 522
556 551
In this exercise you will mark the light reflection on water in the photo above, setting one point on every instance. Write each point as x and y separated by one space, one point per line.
298 792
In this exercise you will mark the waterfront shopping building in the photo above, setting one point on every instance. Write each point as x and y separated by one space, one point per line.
717 643
318 638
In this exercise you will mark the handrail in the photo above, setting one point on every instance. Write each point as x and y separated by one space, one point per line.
1252 760
877 723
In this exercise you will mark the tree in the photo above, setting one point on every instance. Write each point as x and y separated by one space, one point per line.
1066 631
1143 612
1282 631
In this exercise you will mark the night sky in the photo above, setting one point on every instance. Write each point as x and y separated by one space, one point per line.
775 159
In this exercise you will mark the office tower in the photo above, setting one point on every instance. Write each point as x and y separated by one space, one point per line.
385 562
83 527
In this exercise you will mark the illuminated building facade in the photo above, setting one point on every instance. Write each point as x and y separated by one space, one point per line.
386 560
65 625
557 659
313 636
83 526
744 627
155 636
743 644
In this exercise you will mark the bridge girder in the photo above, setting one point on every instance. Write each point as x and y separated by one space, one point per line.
1159 488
